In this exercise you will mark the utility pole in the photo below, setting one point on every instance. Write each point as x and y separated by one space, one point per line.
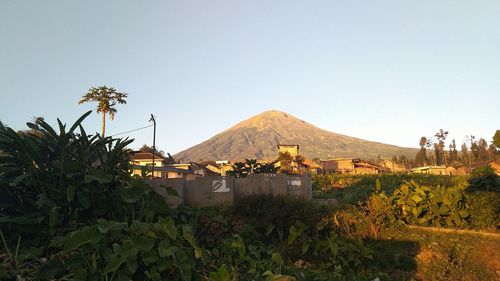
152 119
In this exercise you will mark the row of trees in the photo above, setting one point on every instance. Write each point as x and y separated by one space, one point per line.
471 151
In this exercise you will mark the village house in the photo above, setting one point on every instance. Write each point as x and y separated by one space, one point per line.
461 169
291 149
220 167
492 164
349 166
289 160
392 166
311 166
435 170
142 162
198 169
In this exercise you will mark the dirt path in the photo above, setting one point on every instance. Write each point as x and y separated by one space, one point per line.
455 231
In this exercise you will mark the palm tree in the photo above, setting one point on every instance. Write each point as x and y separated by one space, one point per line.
107 99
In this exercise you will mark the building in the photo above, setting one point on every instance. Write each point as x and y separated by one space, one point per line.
218 167
392 166
141 160
292 149
495 166
461 169
311 166
289 160
350 166
198 169
435 170
492 164
142 163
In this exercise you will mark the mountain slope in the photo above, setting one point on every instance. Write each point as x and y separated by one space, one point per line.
258 137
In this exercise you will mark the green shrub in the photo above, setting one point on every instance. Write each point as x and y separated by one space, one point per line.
484 209
70 209
111 249
279 212
484 179
350 189
417 204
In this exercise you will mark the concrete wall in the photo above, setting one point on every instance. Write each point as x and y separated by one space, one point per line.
214 190
177 184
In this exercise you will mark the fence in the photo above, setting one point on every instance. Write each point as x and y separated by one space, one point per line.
208 191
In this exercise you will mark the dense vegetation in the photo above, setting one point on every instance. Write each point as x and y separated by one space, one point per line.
69 210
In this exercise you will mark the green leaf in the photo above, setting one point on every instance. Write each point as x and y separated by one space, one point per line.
222 274
305 248
295 231
103 179
105 226
270 229
53 217
80 275
444 210
29 253
154 275
143 243
52 267
378 185
83 200
150 257
276 257
131 195
416 198
70 193
183 263
188 236
114 264
81 237
165 250
132 263
464 214
198 252
168 227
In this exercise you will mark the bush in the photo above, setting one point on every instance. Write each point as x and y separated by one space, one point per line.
280 212
484 179
350 189
70 209
484 209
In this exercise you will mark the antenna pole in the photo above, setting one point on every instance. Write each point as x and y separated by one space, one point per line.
152 119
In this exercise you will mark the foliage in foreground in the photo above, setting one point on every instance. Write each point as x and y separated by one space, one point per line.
70 210
350 189
417 204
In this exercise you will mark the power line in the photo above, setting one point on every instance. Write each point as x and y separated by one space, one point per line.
132 130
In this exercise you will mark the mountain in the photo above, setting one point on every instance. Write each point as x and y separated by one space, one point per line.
259 136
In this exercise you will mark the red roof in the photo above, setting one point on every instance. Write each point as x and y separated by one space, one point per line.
144 155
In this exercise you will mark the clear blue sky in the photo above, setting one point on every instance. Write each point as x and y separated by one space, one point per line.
388 71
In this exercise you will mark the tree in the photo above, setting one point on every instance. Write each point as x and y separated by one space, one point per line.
453 157
441 136
250 167
421 157
148 149
483 154
286 161
437 152
107 99
465 155
496 139
474 148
